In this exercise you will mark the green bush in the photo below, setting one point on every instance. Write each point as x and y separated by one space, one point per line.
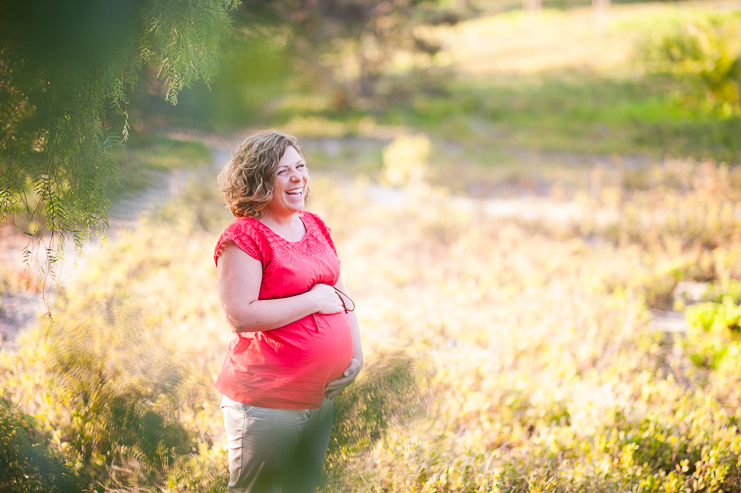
707 54
118 394
29 464
714 337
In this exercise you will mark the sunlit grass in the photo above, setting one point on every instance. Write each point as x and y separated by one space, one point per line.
529 342
545 81
561 43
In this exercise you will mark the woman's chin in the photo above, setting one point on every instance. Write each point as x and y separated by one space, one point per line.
297 206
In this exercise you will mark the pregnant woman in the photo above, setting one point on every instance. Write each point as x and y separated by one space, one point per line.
298 343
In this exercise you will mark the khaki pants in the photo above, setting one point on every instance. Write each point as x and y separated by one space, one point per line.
275 450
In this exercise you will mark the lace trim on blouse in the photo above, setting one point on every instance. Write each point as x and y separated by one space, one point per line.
258 241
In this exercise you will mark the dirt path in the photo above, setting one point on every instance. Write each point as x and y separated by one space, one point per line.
21 309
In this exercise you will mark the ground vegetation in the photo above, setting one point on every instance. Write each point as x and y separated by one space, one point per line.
526 361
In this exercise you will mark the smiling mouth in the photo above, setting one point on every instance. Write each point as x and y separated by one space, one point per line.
296 192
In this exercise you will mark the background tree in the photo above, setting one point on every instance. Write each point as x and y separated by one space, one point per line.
373 31
65 69
338 51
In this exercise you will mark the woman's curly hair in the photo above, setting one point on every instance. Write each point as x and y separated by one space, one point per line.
247 181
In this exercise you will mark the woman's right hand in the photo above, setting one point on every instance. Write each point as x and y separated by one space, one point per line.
326 299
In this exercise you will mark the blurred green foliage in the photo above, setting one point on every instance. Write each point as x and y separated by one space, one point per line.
405 159
67 69
111 399
282 48
390 392
591 115
29 464
706 53
715 333
257 69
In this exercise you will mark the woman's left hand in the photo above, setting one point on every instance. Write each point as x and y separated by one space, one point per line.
335 387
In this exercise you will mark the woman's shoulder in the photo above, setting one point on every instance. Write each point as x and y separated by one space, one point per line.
247 234
314 220
242 224
245 228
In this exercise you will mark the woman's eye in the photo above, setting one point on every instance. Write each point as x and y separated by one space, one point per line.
300 166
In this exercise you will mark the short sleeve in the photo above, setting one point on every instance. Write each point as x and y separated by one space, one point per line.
323 230
244 234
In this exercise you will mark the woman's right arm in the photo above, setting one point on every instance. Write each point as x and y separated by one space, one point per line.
239 278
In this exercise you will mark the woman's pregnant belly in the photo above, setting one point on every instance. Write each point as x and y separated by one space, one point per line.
288 367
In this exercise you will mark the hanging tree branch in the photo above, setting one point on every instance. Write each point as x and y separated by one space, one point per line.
63 64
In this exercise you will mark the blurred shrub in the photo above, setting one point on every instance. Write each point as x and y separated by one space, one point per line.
706 53
405 159
678 202
724 290
122 382
204 472
115 393
388 392
27 462
255 72
714 338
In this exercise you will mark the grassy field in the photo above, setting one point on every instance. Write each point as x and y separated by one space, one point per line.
507 286
546 81
502 354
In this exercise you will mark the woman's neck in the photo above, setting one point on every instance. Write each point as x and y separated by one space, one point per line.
289 227
279 220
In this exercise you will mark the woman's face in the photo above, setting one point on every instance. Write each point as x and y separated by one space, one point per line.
289 188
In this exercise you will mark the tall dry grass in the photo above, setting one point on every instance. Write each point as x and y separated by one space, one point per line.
501 354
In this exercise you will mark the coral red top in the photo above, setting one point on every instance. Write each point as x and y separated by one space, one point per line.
287 367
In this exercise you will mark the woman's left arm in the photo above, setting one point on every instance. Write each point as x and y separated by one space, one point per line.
335 387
